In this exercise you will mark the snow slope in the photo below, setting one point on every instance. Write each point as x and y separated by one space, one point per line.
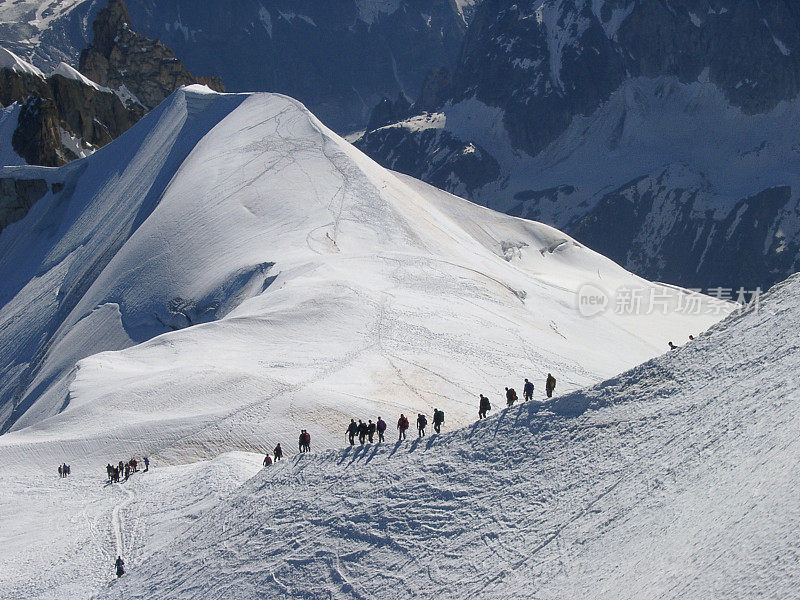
677 479
9 60
229 271
315 270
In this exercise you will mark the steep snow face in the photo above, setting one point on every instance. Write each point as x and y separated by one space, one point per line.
262 263
678 479
9 60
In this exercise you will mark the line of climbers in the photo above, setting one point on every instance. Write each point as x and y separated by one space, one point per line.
366 432
114 472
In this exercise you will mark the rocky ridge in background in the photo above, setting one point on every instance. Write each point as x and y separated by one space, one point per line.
566 104
144 71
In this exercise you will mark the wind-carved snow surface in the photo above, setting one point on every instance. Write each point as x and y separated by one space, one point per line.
677 479
229 271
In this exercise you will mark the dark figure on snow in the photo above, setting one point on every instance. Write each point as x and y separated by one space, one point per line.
511 396
484 407
422 421
119 564
381 428
69 470
61 471
305 441
110 471
134 465
121 468
146 464
402 427
278 452
550 385
528 390
672 346
691 338
127 471
362 432
371 431
438 419
267 460
352 429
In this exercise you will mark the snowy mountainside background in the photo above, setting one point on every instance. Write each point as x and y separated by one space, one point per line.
657 132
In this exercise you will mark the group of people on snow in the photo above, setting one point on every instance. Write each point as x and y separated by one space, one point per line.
125 469
366 432
278 451
63 470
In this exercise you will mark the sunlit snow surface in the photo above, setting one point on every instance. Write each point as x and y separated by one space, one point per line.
230 271
678 479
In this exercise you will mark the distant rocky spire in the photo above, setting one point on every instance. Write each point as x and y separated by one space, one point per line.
142 70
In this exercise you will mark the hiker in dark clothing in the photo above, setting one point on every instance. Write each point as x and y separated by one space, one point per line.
61 471
119 565
402 427
484 407
146 464
527 390
305 441
352 429
438 419
267 460
422 421
278 452
110 472
371 431
511 396
362 432
550 385
381 428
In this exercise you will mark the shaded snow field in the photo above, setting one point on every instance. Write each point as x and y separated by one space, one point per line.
229 271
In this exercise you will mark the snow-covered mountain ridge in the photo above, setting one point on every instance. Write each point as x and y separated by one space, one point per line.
229 271
677 479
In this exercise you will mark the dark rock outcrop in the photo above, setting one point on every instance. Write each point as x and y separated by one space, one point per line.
94 117
17 196
451 164
37 138
122 59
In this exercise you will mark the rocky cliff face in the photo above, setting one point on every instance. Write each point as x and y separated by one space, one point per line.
58 106
590 109
17 196
145 70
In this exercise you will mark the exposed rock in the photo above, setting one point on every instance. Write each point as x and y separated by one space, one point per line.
93 117
37 138
436 89
460 167
389 111
17 196
125 61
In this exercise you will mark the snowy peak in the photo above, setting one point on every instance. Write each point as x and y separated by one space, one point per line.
239 221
